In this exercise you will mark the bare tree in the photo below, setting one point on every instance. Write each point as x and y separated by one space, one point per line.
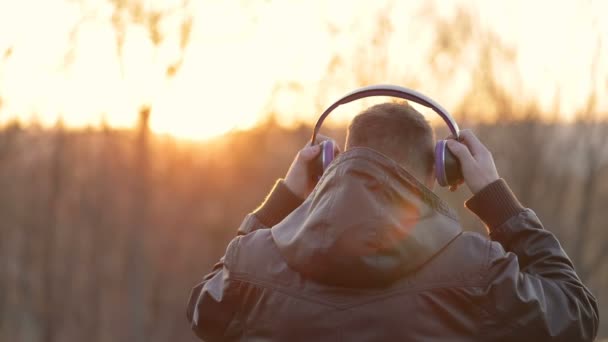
48 225
126 13
136 265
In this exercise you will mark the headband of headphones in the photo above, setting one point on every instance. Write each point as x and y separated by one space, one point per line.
393 91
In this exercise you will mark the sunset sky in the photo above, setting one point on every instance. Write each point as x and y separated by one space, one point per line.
244 58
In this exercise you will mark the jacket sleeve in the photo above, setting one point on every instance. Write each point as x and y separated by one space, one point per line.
214 302
279 203
532 290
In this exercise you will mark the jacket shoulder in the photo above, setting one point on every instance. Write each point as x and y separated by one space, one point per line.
462 262
256 258
476 248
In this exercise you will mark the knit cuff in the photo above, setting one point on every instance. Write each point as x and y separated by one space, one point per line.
495 204
279 203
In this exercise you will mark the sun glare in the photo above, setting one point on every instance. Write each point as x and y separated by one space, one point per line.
195 121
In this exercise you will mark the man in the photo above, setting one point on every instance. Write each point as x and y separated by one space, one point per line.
373 255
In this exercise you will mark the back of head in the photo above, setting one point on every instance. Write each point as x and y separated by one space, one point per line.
398 131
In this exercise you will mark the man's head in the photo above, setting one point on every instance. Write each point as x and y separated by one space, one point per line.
398 131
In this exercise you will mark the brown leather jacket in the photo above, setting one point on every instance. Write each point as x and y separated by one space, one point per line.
373 255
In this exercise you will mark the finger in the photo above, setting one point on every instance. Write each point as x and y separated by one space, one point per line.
318 140
468 138
321 138
308 153
461 152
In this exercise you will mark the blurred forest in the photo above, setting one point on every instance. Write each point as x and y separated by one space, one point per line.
104 231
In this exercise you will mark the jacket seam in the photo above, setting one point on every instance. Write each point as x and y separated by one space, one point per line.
233 252
486 264
412 290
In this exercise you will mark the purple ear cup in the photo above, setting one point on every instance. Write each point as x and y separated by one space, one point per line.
322 161
327 153
447 166
440 173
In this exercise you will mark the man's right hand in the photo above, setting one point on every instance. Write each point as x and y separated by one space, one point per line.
298 179
475 159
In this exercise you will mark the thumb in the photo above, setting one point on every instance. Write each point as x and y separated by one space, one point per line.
461 151
308 153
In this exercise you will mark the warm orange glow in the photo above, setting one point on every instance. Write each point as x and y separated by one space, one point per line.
246 59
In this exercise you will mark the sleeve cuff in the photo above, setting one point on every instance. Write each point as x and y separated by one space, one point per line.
278 204
495 204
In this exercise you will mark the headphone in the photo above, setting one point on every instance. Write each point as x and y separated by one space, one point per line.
447 166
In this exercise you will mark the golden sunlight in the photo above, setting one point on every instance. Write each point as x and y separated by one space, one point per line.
243 60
